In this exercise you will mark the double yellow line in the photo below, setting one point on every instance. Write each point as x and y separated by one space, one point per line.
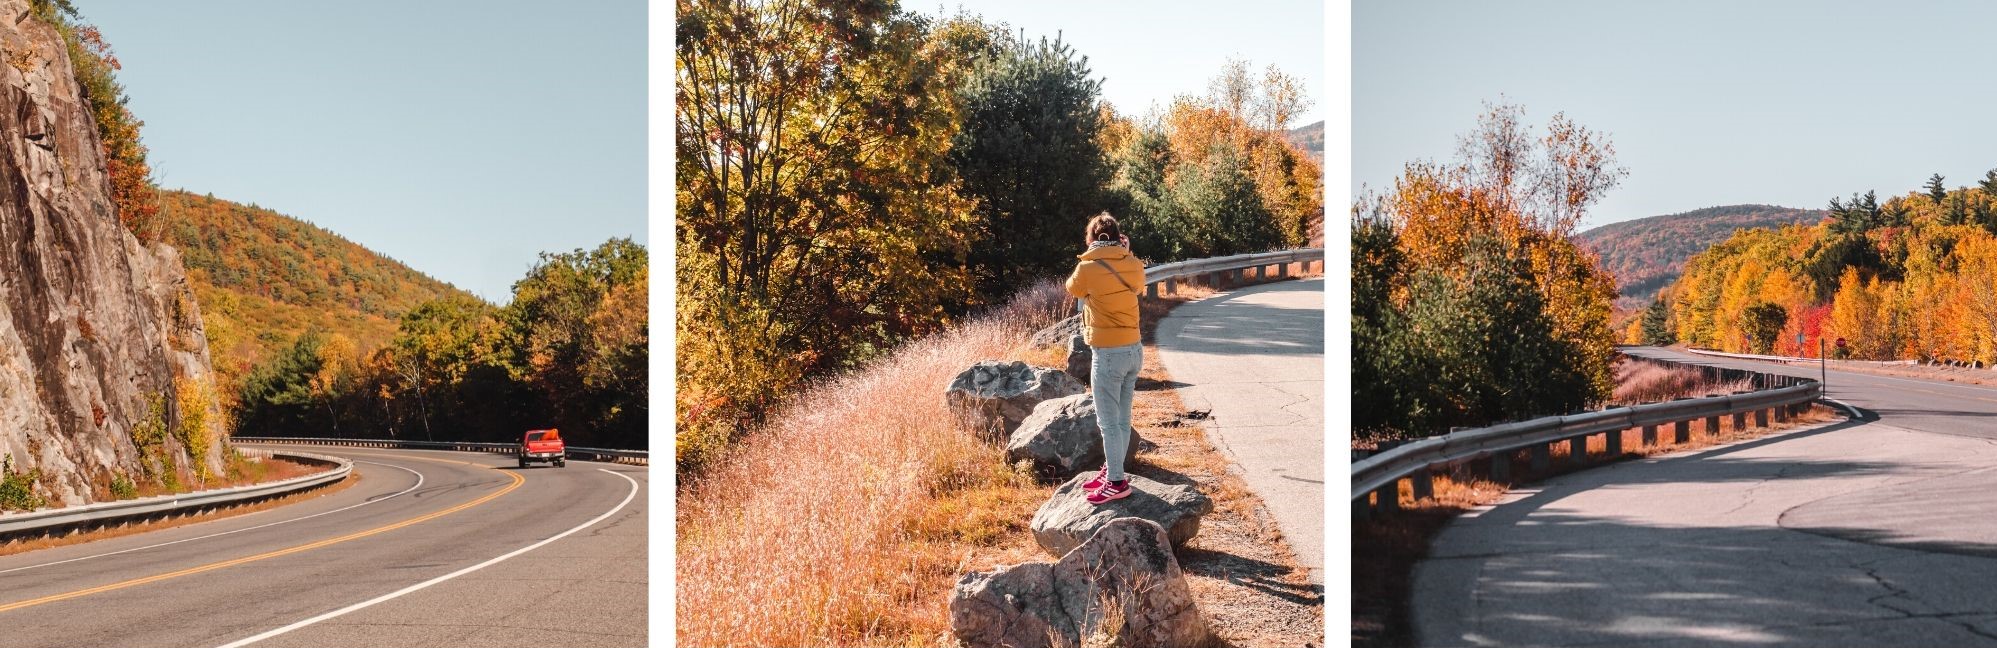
517 481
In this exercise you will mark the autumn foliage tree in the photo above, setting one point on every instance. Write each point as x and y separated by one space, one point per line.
1906 277
1477 305
95 67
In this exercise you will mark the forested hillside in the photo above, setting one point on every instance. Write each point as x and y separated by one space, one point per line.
1647 254
1912 276
1309 139
264 279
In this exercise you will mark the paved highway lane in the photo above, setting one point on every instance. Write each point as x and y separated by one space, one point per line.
1880 532
1254 359
428 549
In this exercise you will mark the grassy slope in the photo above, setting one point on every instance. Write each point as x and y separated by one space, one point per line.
264 278
1647 254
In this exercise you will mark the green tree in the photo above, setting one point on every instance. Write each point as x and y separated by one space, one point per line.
1763 324
580 320
1936 190
1218 207
1657 323
1028 151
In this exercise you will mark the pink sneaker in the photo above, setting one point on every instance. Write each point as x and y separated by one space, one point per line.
1102 477
1115 490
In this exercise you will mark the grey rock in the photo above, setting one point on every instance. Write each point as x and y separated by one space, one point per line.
1079 356
1068 519
94 324
993 397
1058 334
1062 437
1124 583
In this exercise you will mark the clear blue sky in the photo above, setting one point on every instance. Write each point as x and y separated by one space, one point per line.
462 137
1146 53
1708 103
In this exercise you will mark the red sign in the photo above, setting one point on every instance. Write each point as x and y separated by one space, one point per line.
1840 342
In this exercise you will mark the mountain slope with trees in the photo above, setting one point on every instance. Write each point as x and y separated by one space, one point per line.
265 279
1647 254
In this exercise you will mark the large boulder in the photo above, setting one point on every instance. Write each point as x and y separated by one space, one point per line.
1061 437
1068 519
1079 356
994 397
1124 583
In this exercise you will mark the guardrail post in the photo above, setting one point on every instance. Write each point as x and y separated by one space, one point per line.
1172 287
1501 467
1361 509
1151 290
1613 443
1740 421
1761 418
1388 498
1650 435
1781 414
1283 270
1423 484
1577 450
1542 456
1681 431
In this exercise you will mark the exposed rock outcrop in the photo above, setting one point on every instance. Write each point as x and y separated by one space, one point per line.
1123 584
1061 437
99 334
1068 519
1079 358
993 397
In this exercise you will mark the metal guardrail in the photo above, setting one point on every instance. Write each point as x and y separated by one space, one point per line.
1216 268
632 457
1381 473
1777 358
45 520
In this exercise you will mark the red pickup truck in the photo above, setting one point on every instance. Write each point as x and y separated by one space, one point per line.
544 446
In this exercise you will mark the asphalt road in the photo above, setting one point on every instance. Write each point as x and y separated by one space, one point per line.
1878 532
427 549
1254 358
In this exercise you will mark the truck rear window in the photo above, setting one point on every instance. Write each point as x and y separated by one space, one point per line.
536 436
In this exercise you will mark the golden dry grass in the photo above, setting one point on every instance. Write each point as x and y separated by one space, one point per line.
847 519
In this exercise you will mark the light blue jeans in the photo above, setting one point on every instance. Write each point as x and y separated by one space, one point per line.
1113 382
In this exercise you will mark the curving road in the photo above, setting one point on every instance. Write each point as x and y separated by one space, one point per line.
427 549
1254 359
1880 532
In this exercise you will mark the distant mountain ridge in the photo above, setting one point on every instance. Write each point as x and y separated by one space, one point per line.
1647 254
1310 138
263 279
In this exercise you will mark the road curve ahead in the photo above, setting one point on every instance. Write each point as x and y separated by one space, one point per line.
1254 358
1870 532
427 549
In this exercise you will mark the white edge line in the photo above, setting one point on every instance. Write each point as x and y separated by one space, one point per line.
418 484
412 588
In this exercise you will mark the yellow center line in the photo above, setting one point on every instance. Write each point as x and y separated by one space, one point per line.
517 481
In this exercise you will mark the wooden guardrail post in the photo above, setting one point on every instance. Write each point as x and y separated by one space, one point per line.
1501 467
1577 450
1612 442
1423 484
1681 431
1650 435
1388 498
1542 456
1781 413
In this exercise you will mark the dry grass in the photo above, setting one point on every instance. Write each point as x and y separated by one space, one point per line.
1385 551
849 517
34 543
1652 382
846 519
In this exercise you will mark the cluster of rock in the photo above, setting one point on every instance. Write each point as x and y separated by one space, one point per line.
1117 573
1123 583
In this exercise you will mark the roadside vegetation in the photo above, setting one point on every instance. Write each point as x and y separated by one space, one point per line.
880 502
1906 277
828 218
1471 302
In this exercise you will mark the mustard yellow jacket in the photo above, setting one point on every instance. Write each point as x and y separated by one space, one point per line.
1109 316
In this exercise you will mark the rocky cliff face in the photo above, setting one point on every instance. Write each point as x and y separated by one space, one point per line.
104 367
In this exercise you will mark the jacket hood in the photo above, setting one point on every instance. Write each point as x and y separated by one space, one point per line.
1106 253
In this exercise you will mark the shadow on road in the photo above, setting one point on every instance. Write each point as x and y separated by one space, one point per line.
1255 329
